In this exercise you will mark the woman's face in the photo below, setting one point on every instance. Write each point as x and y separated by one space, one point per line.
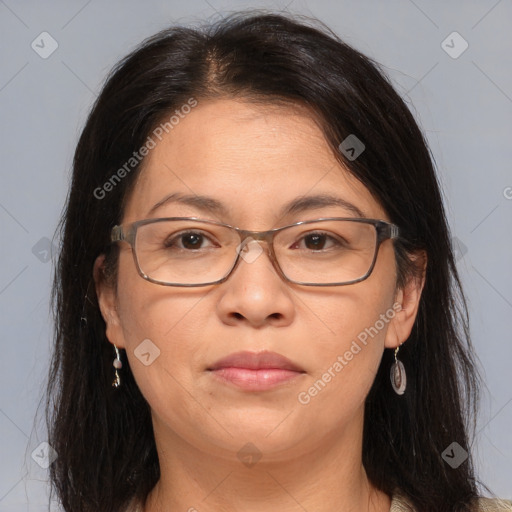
254 160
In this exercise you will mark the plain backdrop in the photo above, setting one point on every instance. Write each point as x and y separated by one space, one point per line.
461 97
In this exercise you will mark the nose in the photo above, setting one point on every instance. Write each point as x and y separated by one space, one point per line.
255 293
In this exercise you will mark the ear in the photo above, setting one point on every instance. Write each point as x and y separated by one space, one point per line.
409 298
107 300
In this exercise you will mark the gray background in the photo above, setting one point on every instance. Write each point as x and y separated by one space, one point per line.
463 104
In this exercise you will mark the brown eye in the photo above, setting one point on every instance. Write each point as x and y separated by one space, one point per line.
319 242
191 240
188 240
315 242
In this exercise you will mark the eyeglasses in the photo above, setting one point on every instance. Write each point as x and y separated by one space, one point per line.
188 251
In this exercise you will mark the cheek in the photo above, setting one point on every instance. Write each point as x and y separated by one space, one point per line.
360 313
354 322
354 347
346 366
161 339
168 321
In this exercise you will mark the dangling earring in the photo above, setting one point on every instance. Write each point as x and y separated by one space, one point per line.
397 374
117 365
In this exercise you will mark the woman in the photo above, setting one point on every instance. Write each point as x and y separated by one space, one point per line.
257 304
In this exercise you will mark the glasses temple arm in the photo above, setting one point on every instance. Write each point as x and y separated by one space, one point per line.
116 234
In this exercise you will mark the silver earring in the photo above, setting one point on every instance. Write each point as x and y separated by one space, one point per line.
117 365
397 374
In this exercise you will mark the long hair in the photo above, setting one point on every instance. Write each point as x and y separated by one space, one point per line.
104 437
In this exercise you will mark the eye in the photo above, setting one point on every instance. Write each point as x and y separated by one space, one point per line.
189 240
317 241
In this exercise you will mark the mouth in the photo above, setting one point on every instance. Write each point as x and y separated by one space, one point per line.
255 371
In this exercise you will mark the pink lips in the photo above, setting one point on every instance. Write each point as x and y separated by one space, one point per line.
256 371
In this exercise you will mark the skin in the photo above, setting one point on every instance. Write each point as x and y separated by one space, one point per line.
254 159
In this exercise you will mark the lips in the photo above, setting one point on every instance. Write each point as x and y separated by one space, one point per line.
255 371
256 361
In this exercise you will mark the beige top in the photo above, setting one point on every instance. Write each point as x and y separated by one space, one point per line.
400 504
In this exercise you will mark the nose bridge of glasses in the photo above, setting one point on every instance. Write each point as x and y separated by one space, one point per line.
248 236
250 254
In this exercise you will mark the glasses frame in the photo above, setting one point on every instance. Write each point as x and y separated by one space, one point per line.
127 233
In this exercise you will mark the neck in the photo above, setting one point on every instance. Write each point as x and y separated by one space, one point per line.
328 478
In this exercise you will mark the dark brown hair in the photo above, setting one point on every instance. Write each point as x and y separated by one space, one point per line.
104 437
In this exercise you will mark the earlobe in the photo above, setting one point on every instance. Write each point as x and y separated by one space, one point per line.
106 294
409 297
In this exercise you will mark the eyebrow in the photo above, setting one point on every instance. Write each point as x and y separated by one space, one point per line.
299 205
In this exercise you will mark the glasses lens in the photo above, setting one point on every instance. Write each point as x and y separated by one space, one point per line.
185 251
326 252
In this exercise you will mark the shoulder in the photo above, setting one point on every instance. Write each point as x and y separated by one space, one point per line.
493 504
134 506
400 503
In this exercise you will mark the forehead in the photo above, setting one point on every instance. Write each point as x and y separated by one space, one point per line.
253 158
